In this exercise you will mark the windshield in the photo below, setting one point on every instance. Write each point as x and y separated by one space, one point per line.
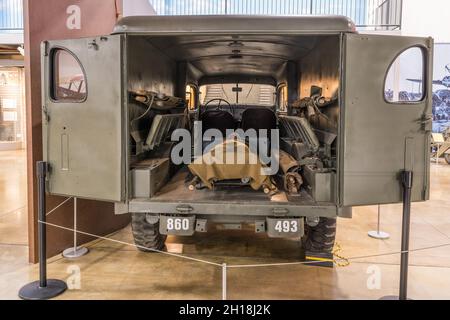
238 93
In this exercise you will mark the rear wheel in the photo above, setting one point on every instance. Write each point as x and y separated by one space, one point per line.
146 232
447 157
320 238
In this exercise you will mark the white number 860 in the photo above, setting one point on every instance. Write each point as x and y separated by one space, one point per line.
178 224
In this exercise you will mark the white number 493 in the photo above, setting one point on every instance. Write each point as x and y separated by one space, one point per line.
286 226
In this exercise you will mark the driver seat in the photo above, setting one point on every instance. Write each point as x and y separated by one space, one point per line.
218 119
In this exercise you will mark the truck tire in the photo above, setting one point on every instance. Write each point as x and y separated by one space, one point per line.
320 238
447 157
146 234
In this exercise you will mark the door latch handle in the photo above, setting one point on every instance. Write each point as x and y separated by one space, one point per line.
93 45
425 120
184 209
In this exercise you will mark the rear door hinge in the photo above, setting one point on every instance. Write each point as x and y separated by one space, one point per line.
430 43
45 113
46 46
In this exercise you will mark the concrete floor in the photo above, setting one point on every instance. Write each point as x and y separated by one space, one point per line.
115 270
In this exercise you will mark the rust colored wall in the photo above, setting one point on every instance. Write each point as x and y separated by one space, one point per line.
47 20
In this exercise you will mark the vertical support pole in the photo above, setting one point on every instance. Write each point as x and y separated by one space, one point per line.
437 153
293 74
43 288
41 169
76 251
407 183
378 234
379 216
224 281
75 225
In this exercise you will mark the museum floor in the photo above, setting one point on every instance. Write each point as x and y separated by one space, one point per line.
114 270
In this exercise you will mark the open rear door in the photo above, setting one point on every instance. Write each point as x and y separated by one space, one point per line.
83 117
379 135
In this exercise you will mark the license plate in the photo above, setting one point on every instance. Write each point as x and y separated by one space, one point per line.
285 227
177 225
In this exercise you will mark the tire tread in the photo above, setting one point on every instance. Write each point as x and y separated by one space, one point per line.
146 235
320 238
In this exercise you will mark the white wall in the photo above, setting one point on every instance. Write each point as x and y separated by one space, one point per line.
427 18
137 8
15 37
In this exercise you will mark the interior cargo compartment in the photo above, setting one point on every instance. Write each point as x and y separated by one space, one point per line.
168 64
177 189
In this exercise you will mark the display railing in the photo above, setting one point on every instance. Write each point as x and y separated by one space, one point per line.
48 288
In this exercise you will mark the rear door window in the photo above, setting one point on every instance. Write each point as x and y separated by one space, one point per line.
405 79
68 78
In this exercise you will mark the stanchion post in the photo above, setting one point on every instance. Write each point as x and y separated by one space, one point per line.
44 288
41 169
75 251
224 281
378 234
407 183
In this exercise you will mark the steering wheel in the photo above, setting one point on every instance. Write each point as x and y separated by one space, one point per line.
219 105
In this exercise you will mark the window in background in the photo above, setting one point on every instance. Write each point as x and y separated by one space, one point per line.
12 105
239 93
191 97
282 98
441 88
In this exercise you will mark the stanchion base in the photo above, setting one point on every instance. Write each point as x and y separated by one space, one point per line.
392 298
33 291
72 253
380 235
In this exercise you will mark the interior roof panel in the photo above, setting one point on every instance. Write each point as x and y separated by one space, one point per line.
257 55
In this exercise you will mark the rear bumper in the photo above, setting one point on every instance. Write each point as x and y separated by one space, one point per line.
237 208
